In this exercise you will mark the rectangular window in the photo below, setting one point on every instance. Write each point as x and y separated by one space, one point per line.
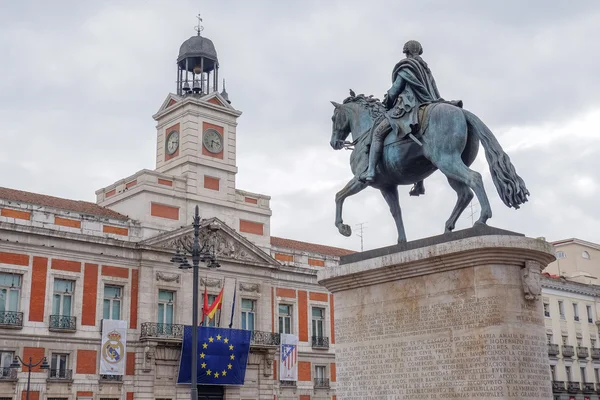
62 299
318 321
546 309
6 358
59 365
10 292
565 340
166 311
553 372
575 312
285 318
549 337
561 309
112 302
593 343
589 314
248 309
568 373
597 376
217 316
579 342
319 372
582 370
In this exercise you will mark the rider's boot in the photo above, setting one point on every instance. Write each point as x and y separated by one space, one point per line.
374 155
417 189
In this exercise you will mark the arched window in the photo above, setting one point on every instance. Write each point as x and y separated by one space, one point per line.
585 255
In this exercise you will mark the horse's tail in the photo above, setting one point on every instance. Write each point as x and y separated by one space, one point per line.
510 186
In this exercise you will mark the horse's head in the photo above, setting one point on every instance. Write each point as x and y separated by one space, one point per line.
356 115
341 126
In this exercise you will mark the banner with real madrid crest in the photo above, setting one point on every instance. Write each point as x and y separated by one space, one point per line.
114 347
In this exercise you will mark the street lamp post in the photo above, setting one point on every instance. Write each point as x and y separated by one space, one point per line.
204 252
18 361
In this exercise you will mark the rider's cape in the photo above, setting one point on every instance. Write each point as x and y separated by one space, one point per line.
419 89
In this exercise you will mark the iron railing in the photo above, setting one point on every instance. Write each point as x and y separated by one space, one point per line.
320 342
553 349
595 353
588 388
8 374
60 374
160 330
287 383
11 319
567 351
582 352
260 338
111 378
573 387
321 383
64 323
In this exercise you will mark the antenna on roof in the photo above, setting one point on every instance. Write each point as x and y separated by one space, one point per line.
361 230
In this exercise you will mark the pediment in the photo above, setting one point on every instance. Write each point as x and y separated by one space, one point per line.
218 100
228 244
171 100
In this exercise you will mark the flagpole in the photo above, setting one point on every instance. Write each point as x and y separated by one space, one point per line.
233 304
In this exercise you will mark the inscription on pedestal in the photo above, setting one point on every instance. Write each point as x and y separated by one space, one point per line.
461 349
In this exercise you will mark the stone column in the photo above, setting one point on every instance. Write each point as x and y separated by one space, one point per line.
449 317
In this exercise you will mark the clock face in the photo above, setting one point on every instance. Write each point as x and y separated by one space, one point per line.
172 142
212 140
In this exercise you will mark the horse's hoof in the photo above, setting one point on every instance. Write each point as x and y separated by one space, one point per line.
345 230
400 241
449 229
479 223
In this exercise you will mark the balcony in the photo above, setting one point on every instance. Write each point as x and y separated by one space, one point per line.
320 342
264 339
567 351
11 319
60 375
62 323
553 349
573 387
582 352
321 383
287 383
588 388
162 331
8 374
111 379
595 353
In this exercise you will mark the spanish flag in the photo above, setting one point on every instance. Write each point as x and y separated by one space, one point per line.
216 305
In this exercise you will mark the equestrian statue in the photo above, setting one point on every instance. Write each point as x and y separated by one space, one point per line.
410 135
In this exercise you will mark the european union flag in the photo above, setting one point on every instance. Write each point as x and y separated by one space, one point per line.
222 356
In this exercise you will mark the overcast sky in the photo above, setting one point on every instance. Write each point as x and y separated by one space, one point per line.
79 82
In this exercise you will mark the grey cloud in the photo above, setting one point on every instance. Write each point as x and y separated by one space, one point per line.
83 107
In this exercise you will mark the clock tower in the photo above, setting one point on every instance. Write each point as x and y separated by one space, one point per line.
195 156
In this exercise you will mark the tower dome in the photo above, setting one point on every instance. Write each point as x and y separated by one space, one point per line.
197 66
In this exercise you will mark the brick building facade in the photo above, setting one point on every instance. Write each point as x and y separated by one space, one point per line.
66 265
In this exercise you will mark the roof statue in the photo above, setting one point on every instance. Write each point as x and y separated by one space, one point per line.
412 133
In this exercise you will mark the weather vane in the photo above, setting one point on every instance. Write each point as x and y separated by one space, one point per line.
199 28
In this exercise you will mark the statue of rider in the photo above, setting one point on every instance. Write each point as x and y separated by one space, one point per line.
413 86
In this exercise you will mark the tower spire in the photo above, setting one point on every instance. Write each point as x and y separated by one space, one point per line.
199 28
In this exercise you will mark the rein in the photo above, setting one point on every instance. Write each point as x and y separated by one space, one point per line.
350 145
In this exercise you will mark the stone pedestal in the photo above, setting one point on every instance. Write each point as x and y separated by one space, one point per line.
457 316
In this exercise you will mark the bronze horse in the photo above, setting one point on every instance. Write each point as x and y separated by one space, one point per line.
450 139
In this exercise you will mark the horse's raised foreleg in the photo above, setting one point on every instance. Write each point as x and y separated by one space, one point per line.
465 195
351 188
390 194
